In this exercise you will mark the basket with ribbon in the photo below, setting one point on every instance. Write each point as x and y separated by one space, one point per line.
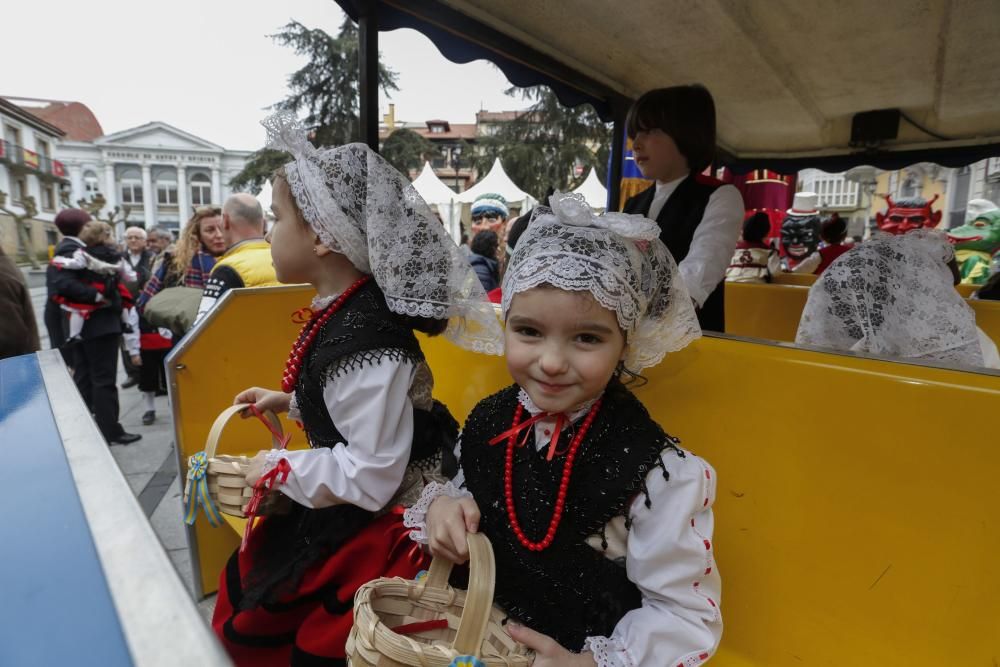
427 623
217 482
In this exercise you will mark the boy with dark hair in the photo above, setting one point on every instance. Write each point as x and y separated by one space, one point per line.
673 141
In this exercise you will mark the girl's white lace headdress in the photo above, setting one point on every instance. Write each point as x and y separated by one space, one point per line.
620 260
893 296
359 205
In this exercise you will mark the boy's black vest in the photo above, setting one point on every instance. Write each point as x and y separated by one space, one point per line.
678 220
363 332
569 591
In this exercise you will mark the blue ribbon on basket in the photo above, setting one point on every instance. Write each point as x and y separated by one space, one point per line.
466 661
197 492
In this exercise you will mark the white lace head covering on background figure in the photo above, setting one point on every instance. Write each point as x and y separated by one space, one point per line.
893 296
620 260
361 206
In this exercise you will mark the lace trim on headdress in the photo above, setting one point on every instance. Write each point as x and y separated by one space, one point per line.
360 206
620 260
893 296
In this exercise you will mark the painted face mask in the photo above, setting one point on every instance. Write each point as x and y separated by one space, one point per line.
976 245
800 236
907 214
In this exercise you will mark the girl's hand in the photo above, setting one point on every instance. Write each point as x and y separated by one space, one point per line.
548 652
264 399
256 469
448 521
136 360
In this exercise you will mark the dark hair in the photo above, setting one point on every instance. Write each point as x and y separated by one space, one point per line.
756 227
485 243
71 220
909 202
686 113
516 229
991 290
833 229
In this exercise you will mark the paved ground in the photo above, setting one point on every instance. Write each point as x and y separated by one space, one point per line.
150 465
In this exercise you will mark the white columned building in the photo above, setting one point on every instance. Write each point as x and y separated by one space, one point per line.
156 170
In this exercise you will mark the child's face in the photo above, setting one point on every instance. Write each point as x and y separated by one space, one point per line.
657 156
293 242
561 347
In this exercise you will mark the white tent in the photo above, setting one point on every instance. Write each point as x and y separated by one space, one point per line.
436 193
592 190
499 182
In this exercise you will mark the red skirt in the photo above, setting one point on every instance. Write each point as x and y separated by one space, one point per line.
310 627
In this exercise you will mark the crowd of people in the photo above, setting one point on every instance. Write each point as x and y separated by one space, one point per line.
600 523
133 300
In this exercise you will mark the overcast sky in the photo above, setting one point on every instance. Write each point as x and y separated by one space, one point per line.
208 66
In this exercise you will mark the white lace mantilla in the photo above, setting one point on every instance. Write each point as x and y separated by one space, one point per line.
620 260
893 296
360 206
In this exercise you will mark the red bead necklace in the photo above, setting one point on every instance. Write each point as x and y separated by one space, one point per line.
508 480
308 334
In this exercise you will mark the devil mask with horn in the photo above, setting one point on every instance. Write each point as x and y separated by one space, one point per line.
908 214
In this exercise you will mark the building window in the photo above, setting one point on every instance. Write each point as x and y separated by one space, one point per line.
51 236
834 191
19 187
13 134
201 190
959 197
166 193
48 197
131 186
42 147
90 185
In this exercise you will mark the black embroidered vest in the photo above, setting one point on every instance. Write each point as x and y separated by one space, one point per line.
569 591
363 332
678 220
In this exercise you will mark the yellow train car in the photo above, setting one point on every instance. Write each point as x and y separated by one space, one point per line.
856 521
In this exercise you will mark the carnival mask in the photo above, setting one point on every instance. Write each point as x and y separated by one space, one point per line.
907 214
800 236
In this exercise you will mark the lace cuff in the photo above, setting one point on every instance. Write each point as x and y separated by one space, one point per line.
293 408
415 517
608 652
271 459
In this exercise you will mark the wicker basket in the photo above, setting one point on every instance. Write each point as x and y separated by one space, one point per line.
226 475
473 624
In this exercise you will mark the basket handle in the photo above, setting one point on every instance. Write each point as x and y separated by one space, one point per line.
220 424
479 597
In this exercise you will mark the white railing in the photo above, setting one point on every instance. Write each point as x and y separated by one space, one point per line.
834 191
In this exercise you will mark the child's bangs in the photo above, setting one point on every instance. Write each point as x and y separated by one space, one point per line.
643 116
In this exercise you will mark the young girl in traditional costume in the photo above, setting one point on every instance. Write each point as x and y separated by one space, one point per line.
601 524
353 227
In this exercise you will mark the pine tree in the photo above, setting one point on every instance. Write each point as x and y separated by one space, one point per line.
325 89
407 151
541 148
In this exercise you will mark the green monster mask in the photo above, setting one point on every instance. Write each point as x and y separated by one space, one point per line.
975 244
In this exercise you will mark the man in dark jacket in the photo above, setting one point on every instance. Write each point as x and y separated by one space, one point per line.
18 329
95 357
483 259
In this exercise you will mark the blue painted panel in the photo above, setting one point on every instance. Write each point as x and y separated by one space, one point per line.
56 608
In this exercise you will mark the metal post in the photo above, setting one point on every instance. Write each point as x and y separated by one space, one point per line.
617 157
368 58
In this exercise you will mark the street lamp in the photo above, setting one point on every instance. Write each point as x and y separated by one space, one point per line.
456 156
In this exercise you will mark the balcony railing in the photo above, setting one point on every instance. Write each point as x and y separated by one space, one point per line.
18 157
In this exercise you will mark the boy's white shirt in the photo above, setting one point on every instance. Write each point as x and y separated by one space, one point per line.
714 241
668 555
